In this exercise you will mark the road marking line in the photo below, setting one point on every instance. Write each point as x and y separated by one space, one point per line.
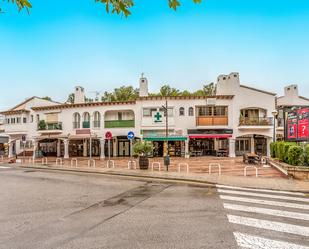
4 167
279 213
269 225
253 242
264 202
233 192
262 190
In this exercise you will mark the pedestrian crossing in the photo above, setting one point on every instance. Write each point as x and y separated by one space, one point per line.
4 167
267 219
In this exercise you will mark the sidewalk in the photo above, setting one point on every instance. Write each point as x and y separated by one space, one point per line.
275 183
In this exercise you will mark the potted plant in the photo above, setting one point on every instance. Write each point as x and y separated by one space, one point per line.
42 125
142 149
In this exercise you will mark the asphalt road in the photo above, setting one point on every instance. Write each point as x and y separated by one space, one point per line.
53 209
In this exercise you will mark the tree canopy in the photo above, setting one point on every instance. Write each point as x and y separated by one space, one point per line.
111 6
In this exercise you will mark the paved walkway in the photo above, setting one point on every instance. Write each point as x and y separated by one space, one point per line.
232 173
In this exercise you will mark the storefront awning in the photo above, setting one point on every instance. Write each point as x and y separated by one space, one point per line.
210 136
165 139
81 136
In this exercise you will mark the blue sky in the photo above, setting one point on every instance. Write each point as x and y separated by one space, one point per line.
66 43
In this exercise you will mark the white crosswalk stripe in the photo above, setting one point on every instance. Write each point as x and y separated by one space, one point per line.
251 218
274 212
254 242
4 167
263 195
262 190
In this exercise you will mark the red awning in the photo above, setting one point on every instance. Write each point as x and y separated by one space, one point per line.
211 136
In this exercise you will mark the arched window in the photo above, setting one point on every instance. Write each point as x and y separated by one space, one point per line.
96 120
191 111
76 120
86 120
181 111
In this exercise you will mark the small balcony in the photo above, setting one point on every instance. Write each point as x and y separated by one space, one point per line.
212 121
255 121
119 124
86 124
50 127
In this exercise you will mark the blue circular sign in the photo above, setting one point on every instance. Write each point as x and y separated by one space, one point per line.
130 135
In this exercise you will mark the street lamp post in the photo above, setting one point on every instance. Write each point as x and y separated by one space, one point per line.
166 159
275 114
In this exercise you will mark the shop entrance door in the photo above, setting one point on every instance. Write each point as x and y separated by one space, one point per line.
260 146
123 148
158 148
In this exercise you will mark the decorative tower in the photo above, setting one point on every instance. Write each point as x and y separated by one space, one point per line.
143 86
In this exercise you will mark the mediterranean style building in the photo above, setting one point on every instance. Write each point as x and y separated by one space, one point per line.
237 120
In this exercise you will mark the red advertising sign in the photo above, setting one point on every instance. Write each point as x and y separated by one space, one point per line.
303 122
108 135
292 125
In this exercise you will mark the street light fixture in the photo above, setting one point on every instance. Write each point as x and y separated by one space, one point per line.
275 114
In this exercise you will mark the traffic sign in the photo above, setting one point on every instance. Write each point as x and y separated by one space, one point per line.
131 135
108 135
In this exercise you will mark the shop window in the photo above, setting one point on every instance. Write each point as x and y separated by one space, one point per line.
181 111
76 120
96 120
18 120
24 120
191 111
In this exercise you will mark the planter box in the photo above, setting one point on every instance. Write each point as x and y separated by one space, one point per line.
297 172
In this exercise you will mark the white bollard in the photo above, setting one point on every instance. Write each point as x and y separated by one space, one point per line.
132 164
155 163
110 162
256 170
74 160
59 161
2 158
215 165
91 163
183 164
44 161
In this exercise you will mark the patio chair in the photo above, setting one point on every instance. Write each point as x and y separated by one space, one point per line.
245 158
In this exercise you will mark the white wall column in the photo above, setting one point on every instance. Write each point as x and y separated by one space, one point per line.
187 148
58 148
252 145
269 141
102 148
10 150
85 148
66 148
115 145
216 144
35 148
232 142
17 147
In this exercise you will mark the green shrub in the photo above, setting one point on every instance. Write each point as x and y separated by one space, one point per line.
280 150
307 154
295 155
272 150
287 146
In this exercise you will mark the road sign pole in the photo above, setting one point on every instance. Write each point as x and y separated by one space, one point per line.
109 150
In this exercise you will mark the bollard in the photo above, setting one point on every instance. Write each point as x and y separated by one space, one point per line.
91 162
74 160
59 160
132 164
155 163
183 164
256 170
110 162
215 165
44 160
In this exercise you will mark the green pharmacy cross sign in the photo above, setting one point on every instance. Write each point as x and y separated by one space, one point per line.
158 117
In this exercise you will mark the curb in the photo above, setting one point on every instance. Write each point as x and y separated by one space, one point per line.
154 177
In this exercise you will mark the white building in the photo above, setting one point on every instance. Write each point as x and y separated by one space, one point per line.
291 99
234 121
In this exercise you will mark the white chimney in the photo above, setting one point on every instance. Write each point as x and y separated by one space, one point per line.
79 95
291 91
143 86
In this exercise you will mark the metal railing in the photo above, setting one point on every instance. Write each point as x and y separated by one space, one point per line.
119 123
255 121
86 124
51 127
215 165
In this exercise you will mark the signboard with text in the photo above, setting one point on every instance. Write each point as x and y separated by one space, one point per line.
297 125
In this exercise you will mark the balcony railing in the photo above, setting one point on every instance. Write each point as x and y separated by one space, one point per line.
119 123
50 127
96 124
86 124
255 121
211 120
